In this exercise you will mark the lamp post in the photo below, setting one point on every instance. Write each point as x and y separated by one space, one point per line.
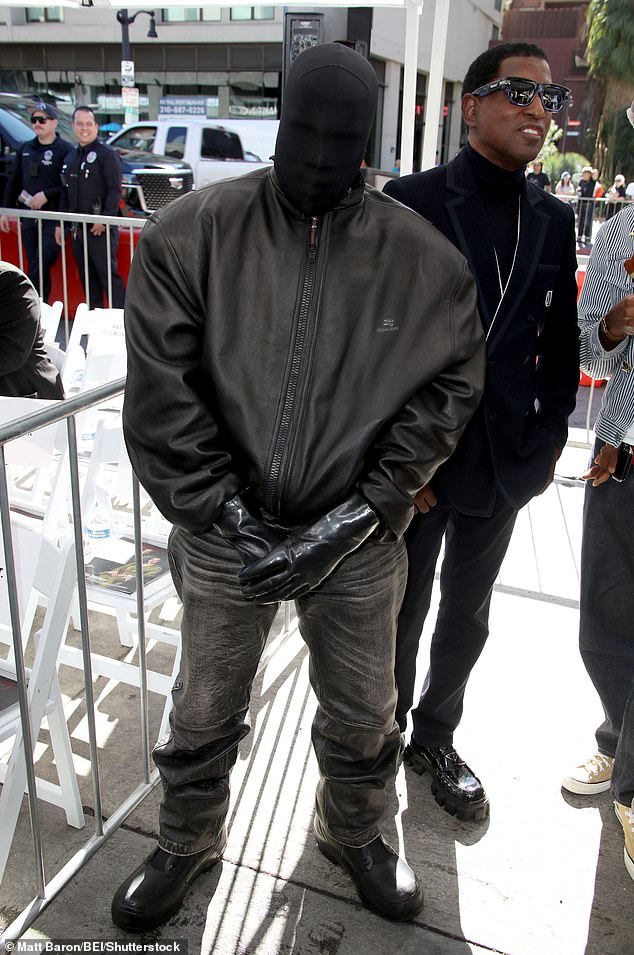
129 93
125 21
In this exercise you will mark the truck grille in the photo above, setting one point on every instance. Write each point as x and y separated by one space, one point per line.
161 188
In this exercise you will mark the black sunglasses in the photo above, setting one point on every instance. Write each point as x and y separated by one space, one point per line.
521 92
40 119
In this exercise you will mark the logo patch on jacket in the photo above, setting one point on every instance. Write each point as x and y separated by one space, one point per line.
549 298
387 325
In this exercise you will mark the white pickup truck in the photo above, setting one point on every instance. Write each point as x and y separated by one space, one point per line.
215 149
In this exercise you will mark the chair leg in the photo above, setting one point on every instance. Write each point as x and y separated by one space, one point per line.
60 743
13 789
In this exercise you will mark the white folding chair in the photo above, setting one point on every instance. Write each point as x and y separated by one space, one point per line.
110 566
50 317
105 323
52 571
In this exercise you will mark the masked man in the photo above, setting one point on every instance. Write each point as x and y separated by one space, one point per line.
291 385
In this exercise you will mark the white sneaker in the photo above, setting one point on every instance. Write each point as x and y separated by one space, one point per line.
625 815
593 776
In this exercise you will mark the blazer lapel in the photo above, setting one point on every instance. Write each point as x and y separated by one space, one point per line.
466 214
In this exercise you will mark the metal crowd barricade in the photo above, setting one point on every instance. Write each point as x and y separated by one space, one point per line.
127 224
46 891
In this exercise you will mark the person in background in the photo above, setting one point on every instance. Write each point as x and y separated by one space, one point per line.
538 176
290 388
585 191
617 193
91 179
606 319
565 186
520 244
25 368
35 183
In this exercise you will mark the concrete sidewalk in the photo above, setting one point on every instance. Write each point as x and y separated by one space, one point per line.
543 876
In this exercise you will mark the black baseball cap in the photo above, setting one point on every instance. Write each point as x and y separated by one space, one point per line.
50 111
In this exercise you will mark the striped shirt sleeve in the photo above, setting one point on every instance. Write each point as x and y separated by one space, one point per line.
605 284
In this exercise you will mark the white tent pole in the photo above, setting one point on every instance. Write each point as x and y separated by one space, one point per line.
409 85
435 90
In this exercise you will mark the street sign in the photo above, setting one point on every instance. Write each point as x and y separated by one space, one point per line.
130 99
127 73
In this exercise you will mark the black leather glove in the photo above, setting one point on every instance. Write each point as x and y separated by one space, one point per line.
308 555
245 531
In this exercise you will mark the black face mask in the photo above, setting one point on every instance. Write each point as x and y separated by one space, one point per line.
329 105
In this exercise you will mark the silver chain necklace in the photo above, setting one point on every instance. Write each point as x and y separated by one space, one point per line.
503 288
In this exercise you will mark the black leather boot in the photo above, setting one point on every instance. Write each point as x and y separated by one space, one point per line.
385 883
455 787
155 891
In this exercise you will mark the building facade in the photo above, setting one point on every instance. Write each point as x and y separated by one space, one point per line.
235 57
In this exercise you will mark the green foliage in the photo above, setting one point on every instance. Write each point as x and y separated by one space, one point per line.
610 50
573 162
622 158
554 162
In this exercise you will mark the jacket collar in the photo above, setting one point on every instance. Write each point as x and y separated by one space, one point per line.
466 213
353 197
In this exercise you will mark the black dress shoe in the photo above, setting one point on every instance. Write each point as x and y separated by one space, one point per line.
155 891
385 883
455 787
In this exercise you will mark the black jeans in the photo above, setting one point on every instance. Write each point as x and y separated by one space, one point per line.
474 551
349 626
606 635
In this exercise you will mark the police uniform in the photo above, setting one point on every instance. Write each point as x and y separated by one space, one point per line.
91 183
37 168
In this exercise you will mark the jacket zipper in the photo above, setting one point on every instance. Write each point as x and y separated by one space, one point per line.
274 492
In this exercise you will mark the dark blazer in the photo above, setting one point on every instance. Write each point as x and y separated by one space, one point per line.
25 369
532 370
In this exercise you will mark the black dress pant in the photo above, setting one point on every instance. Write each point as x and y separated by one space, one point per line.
474 551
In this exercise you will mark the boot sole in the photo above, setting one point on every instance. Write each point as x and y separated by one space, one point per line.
407 911
474 812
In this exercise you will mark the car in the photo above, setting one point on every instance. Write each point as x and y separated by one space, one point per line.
149 181
216 149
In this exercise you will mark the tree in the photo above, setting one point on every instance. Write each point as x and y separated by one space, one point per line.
610 55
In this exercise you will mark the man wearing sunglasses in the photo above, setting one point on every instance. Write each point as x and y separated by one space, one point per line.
35 183
520 244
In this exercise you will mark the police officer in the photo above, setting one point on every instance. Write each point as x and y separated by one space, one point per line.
35 183
91 179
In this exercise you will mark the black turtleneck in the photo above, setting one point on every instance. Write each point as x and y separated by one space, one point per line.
500 192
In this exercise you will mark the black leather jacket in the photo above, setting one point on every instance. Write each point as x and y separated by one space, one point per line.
304 358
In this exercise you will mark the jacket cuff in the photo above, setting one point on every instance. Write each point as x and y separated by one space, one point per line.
393 508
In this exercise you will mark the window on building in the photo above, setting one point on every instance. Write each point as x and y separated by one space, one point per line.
495 33
4 14
252 13
498 4
44 15
189 14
